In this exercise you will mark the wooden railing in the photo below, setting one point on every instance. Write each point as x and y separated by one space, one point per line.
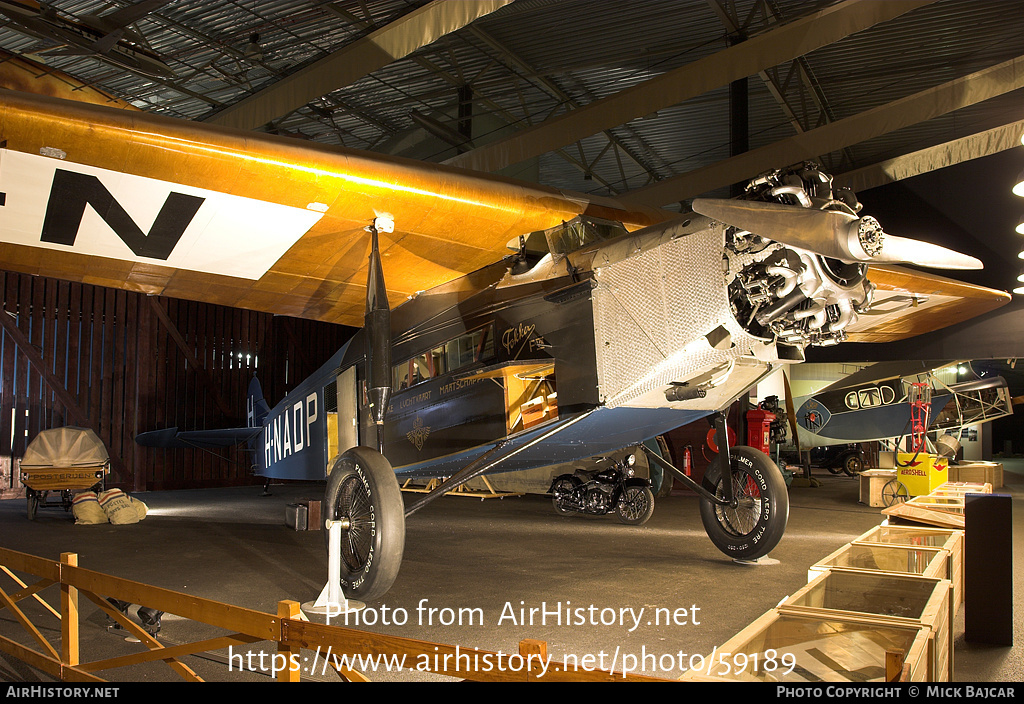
289 629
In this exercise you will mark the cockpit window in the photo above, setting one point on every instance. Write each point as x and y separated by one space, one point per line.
579 232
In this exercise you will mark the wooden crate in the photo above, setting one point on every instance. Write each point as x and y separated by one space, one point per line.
924 515
962 489
891 559
953 505
899 600
871 483
820 649
948 539
978 473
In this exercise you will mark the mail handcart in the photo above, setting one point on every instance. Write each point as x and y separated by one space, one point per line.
61 461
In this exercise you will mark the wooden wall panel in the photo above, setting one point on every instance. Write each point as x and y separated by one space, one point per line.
123 363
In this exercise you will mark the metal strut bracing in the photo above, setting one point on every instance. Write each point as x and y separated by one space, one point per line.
488 461
727 487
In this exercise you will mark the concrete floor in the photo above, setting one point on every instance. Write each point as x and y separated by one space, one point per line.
496 556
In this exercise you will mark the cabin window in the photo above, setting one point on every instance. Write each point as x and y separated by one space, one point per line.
450 356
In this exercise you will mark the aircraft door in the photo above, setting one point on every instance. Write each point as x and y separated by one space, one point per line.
348 410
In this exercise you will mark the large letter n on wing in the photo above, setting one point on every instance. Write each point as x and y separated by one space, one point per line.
71 192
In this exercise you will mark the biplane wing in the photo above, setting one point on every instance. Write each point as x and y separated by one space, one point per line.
247 220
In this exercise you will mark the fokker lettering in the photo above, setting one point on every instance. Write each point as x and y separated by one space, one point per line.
513 336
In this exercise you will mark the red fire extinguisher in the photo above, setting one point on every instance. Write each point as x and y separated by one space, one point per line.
687 460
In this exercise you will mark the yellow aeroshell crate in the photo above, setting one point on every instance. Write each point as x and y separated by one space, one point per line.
921 472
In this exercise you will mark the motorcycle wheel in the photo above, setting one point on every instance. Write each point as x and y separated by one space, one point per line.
363 490
756 525
636 505
563 486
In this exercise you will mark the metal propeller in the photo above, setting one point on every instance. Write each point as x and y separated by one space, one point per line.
831 233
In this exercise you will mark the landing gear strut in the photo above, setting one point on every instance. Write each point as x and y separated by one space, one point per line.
745 509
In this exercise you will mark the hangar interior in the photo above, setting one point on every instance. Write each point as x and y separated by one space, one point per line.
917 106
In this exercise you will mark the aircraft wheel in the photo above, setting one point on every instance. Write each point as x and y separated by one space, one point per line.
636 505
33 504
363 491
756 525
894 492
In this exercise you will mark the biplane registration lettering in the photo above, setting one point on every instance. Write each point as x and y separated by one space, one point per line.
60 205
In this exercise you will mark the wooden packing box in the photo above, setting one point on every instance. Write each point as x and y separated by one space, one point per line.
898 600
950 540
934 502
871 483
894 559
789 647
961 489
978 473
925 515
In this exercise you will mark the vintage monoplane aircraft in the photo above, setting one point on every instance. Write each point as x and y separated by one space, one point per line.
877 403
108 37
538 326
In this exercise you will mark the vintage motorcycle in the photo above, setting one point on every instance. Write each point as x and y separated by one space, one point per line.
604 490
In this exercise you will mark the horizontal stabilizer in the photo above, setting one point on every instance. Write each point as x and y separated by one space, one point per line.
170 438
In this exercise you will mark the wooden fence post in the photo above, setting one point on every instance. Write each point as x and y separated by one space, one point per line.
69 647
290 671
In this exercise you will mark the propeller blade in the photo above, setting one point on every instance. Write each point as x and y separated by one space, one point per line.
904 250
830 233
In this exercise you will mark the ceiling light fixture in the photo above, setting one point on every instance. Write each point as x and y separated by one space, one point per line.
1020 225
1019 186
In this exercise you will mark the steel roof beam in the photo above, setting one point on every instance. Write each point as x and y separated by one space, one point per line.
782 44
975 146
354 61
925 105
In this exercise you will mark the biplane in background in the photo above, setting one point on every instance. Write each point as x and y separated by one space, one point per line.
109 37
537 327
878 403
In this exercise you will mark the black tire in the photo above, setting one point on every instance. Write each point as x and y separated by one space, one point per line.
756 525
853 465
33 504
363 488
636 505
565 484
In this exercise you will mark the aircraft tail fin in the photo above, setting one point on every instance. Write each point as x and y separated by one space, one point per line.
256 408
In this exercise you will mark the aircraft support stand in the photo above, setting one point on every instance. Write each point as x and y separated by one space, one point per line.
332 601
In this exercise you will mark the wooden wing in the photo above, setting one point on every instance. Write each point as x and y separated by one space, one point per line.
909 303
125 199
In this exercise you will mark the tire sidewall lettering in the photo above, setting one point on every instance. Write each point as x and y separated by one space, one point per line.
367 568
